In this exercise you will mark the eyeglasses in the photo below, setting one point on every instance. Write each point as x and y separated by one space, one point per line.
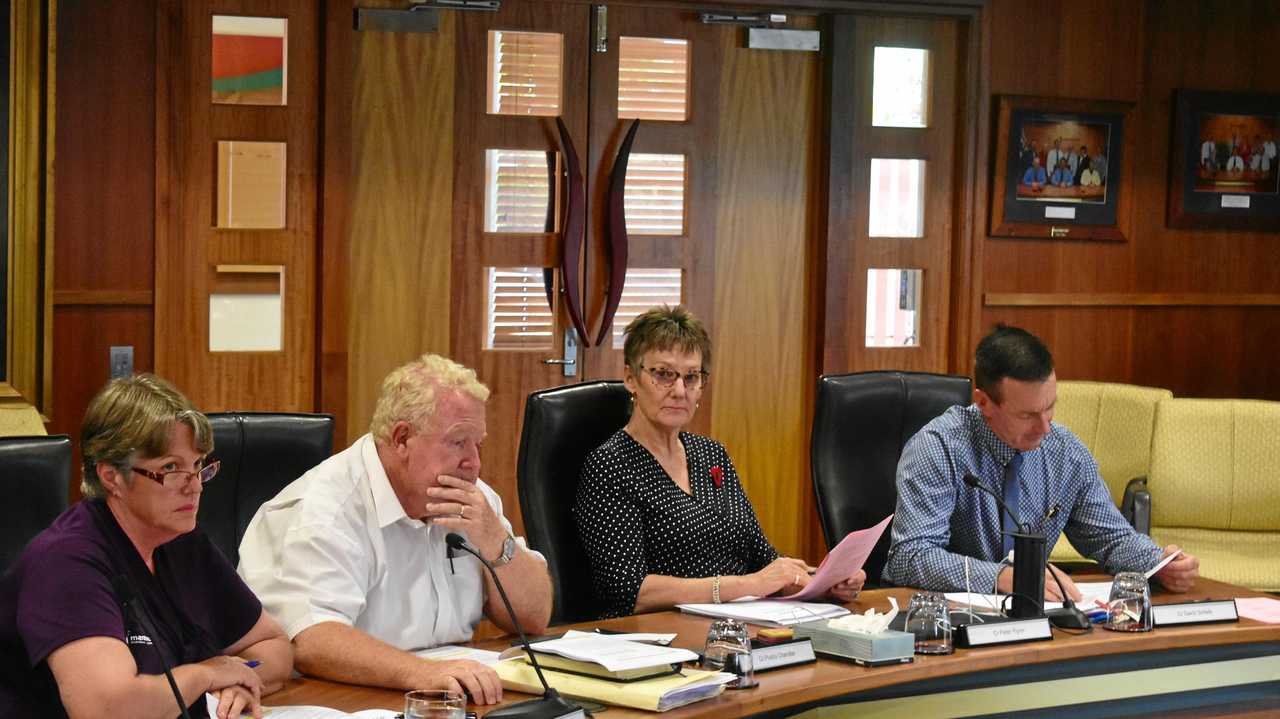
666 378
178 478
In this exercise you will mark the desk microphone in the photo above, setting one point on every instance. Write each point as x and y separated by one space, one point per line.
1069 616
127 597
550 706
1028 560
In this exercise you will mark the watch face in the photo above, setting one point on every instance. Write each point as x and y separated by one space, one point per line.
508 550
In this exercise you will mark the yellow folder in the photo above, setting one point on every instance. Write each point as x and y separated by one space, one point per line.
655 695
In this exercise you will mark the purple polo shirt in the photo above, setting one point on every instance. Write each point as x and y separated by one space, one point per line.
59 590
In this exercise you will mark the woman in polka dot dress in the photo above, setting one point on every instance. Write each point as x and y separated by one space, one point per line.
660 511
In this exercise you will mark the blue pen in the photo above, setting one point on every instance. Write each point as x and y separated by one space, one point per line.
253 664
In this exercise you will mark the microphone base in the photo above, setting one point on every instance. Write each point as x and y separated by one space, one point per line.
550 706
1068 618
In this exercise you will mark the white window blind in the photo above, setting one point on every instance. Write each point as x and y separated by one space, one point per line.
524 73
900 87
896 198
645 288
517 313
517 192
653 198
653 78
893 307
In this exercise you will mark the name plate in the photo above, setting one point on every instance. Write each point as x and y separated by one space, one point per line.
1004 632
1222 610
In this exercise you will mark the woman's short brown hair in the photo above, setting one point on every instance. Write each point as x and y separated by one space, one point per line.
663 328
135 416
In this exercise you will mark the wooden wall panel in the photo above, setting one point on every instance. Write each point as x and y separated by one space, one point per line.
764 361
401 206
105 178
82 335
188 126
104 191
1192 350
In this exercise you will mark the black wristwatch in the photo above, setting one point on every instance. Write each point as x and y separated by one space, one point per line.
508 552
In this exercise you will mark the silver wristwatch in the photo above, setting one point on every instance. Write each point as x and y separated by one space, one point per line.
508 552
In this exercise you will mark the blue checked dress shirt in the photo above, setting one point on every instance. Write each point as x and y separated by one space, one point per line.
940 520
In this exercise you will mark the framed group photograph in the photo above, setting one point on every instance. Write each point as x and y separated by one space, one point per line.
1224 172
1059 169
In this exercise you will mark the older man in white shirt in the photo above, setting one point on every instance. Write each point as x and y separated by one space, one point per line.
351 557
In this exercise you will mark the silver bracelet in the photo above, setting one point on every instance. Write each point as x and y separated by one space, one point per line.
715 590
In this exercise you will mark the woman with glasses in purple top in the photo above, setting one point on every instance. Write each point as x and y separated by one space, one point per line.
660 511
120 586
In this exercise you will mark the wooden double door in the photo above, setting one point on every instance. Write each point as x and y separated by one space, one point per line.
546 97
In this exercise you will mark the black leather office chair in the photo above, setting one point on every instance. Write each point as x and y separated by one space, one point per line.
861 423
261 453
561 427
35 473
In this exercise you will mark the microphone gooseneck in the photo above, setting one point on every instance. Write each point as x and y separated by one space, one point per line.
127 596
551 704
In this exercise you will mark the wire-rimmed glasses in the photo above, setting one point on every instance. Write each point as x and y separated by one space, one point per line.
666 378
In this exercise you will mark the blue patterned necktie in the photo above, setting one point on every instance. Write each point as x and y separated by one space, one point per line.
1012 497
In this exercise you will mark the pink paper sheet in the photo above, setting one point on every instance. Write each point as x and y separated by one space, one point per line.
1263 609
846 558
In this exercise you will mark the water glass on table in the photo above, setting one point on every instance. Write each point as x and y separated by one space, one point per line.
1129 607
434 704
928 618
728 649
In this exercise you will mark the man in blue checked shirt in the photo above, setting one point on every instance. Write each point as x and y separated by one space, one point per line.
1007 439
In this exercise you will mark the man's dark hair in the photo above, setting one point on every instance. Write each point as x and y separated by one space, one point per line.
1010 352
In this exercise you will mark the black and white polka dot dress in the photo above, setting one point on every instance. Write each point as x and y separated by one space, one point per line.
635 521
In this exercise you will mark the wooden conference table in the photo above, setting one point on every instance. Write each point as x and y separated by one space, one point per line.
1205 670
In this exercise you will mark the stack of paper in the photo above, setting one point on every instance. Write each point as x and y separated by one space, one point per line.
767 612
607 656
659 694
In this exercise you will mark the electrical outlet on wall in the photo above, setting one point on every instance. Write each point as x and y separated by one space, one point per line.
121 361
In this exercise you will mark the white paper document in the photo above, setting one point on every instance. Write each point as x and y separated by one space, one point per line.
449 652
1152 571
1091 593
768 612
306 712
842 561
612 653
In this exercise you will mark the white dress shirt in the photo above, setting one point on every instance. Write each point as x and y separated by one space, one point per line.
336 545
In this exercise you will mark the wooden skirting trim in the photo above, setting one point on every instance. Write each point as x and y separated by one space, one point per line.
1128 299
103 297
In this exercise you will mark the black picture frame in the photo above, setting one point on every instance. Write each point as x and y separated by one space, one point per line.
1217 177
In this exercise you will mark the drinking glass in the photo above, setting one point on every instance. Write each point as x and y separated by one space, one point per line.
728 649
929 621
1129 608
434 704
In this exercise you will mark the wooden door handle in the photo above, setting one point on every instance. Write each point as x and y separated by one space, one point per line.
617 229
574 226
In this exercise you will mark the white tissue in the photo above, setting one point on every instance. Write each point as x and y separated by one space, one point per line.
868 622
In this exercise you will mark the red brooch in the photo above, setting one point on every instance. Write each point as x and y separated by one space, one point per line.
717 476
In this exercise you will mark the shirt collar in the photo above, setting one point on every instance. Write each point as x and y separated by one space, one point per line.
385 502
1002 452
